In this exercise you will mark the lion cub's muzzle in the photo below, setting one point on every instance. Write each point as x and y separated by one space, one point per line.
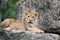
30 22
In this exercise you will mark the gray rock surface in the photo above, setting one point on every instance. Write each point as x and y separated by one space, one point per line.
26 35
49 11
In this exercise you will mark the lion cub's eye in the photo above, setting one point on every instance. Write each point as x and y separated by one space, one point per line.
32 16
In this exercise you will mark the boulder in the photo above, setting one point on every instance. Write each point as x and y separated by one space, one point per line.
26 35
49 13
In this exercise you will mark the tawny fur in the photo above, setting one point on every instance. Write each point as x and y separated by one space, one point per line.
28 23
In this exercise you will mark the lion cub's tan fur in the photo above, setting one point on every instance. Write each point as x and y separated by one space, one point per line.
28 23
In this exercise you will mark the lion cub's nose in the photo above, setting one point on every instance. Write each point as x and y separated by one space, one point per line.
30 20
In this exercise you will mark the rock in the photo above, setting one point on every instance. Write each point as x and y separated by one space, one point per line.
26 35
49 13
55 27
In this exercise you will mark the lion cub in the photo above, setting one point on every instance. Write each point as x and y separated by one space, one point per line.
28 23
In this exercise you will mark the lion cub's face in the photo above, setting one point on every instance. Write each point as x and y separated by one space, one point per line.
30 17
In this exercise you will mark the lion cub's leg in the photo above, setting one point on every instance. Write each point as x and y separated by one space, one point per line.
5 23
34 29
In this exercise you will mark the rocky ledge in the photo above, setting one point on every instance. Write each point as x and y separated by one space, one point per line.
27 35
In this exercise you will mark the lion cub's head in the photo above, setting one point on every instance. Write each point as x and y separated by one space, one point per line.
30 17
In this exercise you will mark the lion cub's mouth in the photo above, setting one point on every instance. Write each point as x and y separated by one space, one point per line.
30 22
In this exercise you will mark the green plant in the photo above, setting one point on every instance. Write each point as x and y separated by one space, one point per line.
29 37
8 9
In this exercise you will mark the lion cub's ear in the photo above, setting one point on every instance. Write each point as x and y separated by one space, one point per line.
25 12
36 14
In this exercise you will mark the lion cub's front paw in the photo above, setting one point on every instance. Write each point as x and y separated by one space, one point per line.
36 30
41 31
